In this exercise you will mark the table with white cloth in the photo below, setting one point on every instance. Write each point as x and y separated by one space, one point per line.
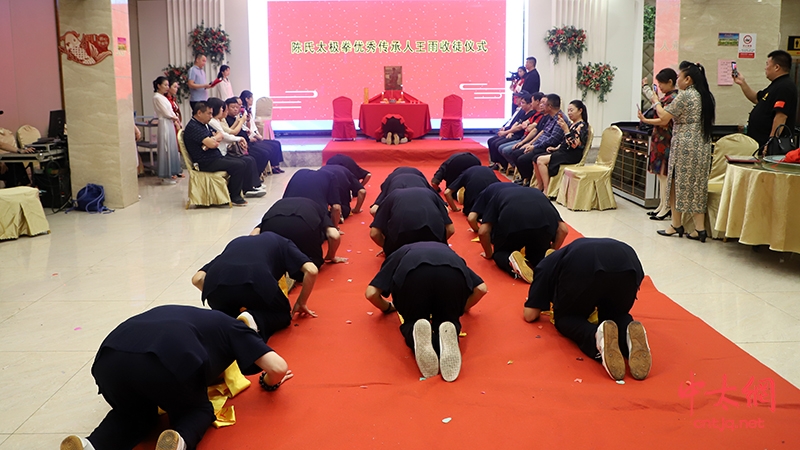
761 207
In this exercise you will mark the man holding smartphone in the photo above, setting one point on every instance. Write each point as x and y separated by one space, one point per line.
774 106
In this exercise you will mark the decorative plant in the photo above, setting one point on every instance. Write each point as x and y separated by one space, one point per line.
649 32
212 42
181 75
596 77
566 40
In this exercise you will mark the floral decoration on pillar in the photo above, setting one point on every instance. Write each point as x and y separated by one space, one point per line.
87 49
597 77
212 42
566 40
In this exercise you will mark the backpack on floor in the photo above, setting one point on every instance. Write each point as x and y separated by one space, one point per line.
90 199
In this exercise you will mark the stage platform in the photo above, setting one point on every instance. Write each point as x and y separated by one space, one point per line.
425 151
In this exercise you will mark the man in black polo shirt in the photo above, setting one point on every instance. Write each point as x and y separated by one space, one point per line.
242 281
482 202
307 224
167 357
588 274
532 81
410 215
517 218
348 187
775 105
319 186
346 161
400 178
452 167
429 283
202 144
474 180
514 133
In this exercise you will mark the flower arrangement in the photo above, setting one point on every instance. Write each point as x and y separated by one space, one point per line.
181 75
596 77
212 42
566 40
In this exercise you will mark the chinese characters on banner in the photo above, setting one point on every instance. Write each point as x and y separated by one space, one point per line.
755 392
385 46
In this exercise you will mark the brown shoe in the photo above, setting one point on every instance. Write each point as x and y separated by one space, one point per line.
607 338
71 443
639 358
170 440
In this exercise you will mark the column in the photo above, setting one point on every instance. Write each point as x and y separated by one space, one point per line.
98 97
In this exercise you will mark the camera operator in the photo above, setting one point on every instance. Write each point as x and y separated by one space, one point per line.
517 79
777 104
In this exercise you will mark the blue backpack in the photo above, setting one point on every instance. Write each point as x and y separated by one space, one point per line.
90 199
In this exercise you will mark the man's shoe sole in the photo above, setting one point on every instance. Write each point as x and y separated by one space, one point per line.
613 361
169 440
450 360
71 443
521 267
427 361
640 359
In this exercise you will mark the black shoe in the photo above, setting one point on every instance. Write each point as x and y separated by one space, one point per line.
701 236
679 231
656 217
652 213
277 170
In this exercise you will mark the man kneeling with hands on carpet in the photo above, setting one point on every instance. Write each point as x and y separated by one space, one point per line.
429 284
167 357
594 273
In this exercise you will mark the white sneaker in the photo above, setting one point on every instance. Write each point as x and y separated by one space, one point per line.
520 267
76 443
450 360
427 361
170 440
248 320
167 181
639 358
255 193
607 339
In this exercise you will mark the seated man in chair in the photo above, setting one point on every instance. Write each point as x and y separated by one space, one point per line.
202 144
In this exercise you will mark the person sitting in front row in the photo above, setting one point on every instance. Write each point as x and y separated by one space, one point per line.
242 281
203 147
166 358
571 148
589 274
429 284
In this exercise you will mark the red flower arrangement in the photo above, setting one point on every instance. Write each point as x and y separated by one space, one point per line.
566 40
212 42
597 77
181 75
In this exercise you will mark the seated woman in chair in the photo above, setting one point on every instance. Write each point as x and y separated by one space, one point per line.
570 151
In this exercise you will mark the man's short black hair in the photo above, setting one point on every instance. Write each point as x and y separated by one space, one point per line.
232 100
526 97
538 96
531 58
781 58
199 107
553 100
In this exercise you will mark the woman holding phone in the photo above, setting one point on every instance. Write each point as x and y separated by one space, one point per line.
661 138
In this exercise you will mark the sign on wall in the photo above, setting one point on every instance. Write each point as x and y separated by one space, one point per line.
747 46
794 45
87 49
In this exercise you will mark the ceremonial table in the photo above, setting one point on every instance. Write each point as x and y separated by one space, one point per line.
416 114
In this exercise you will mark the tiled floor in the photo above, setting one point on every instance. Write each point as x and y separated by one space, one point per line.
60 294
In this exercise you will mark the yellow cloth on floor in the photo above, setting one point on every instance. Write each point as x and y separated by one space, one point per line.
284 286
234 383
21 213
592 317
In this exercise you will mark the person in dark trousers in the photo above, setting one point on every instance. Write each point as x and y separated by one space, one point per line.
514 133
410 215
474 180
351 165
348 187
482 202
532 79
242 281
517 219
777 104
202 143
594 273
307 224
264 150
400 178
430 285
167 357
319 186
453 167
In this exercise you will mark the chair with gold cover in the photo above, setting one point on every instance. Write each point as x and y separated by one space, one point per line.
584 188
205 188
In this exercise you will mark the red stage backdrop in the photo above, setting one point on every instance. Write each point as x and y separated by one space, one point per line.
321 50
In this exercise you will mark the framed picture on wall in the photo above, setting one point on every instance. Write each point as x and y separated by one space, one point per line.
392 78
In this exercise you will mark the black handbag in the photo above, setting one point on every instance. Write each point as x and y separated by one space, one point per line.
649 114
781 143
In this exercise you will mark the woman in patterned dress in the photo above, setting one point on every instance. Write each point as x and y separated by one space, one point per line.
692 113
661 138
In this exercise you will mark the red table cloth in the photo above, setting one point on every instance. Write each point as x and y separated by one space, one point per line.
416 115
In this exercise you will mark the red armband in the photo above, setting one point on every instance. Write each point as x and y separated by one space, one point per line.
780 104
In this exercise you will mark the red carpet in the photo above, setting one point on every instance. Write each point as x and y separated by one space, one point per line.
427 151
522 385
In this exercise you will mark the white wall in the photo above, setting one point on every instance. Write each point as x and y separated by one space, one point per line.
153 48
